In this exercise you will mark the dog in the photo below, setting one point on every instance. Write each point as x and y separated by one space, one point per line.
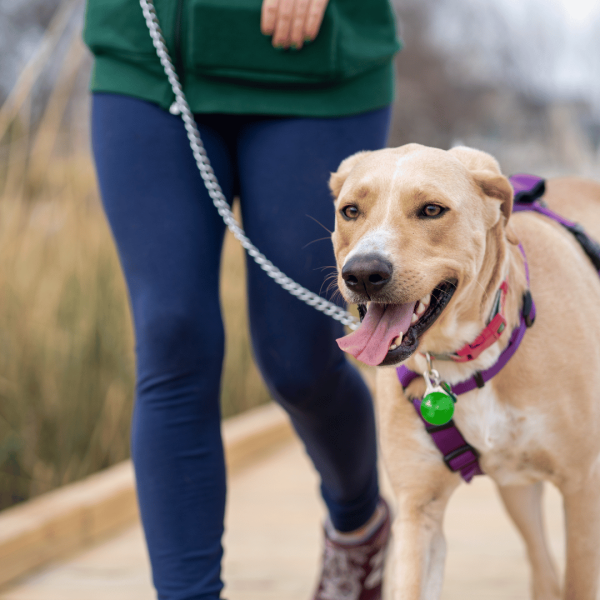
424 239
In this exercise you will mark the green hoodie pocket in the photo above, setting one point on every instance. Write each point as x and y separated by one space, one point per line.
223 40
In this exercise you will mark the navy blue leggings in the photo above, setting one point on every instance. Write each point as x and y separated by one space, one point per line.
169 237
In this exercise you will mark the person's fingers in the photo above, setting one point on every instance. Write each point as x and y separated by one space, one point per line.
314 19
283 24
292 22
297 30
268 16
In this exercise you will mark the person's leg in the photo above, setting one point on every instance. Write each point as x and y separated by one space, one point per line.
169 238
284 166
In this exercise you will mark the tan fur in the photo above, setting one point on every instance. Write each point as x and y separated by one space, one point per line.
539 418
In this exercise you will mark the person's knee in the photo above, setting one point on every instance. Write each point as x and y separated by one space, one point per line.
298 392
301 364
303 385
179 338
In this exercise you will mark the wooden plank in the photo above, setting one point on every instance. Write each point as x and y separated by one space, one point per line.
62 521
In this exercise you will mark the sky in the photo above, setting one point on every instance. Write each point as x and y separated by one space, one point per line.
578 68
580 13
554 44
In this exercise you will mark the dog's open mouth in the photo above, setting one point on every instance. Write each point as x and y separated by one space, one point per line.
390 333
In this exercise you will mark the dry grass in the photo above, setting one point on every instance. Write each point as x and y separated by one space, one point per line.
66 358
65 341
66 345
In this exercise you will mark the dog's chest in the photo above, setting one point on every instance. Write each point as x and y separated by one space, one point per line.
508 439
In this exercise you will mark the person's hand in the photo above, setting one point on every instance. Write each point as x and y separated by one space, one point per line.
292 23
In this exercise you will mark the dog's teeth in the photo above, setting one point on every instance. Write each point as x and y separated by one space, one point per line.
426 300
414 319
396 341
421 308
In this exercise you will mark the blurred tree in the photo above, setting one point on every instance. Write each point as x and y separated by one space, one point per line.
22 26
486 75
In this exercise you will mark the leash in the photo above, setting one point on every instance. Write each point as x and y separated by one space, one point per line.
181 107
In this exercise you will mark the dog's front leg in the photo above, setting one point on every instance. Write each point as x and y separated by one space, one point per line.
524 505
422 485
419 544
582 520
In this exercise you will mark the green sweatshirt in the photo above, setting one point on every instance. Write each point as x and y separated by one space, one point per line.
226 65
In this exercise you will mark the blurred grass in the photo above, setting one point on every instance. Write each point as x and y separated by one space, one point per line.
66 343
66 370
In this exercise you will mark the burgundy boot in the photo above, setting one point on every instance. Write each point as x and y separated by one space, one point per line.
354 571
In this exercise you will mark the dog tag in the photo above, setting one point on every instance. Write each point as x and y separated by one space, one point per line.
437 406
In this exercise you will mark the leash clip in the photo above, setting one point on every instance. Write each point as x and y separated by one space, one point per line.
431 375
437 406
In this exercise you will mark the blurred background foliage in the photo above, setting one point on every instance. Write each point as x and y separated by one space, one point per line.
520 80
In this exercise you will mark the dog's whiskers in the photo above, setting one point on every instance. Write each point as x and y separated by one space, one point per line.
317 240
327 278
439 289
336 294
332 275
326 267
332 283
321 224
485 294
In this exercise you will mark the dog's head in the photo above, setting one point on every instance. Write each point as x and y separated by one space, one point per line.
418 230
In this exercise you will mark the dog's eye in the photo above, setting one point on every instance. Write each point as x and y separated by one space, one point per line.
350 212
432 210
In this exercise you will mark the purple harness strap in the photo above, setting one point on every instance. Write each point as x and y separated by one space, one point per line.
528 192
457 453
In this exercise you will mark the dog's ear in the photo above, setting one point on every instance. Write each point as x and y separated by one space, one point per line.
486 172
496 186
336 180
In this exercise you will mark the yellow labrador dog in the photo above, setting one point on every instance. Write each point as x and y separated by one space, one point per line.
424 239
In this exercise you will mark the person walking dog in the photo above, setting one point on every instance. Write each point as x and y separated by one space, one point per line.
282 91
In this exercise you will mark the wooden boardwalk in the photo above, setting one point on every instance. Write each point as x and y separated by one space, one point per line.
272 544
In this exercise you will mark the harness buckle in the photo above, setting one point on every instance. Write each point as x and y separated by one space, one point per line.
527 309
479 380
492 332
459 452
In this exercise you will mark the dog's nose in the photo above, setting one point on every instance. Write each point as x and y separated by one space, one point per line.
368 272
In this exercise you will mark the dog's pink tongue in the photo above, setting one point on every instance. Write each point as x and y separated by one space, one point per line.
382 323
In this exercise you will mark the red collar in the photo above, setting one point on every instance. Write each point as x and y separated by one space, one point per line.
488 336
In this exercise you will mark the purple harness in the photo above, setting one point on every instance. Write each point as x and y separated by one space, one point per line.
457 453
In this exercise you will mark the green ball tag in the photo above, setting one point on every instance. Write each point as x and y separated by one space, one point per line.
437 408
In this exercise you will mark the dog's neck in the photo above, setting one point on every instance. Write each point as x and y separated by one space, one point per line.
469 311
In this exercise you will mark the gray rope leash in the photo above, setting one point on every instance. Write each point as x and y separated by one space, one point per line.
181 106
